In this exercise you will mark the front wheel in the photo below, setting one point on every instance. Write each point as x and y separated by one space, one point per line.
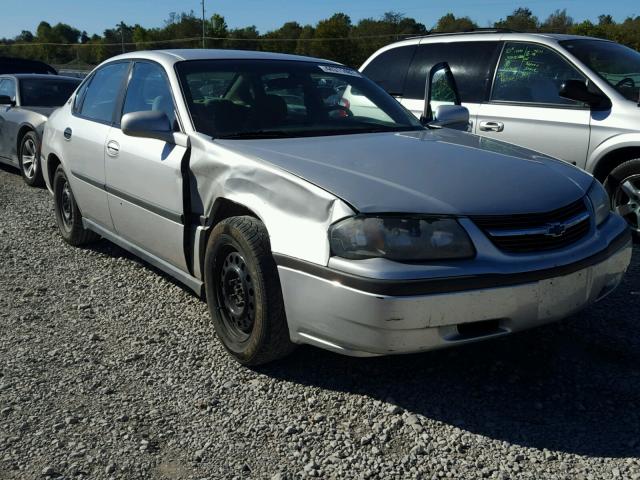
68 216
29 161
243 292
623 186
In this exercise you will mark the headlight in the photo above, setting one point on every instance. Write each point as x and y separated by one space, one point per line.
600 201
400 238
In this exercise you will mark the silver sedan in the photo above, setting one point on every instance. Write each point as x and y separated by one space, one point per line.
309 206
26 100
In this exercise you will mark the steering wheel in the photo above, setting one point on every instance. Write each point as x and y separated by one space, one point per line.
341 108
626 80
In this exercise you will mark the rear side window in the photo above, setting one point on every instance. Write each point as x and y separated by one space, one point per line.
471 63
389 69
530 73
46 92
103 91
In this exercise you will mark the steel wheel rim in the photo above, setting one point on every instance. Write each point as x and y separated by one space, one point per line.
626 201
66 205
28 155
236 295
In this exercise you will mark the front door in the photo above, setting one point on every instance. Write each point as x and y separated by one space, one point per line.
525 108
143 175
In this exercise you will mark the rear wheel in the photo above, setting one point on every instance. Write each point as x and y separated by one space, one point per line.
623 186
68 216
243 292
29 161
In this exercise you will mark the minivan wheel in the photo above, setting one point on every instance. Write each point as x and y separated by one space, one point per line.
28 160
243 292
68 216
623 186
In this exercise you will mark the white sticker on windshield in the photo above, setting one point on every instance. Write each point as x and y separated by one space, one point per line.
339 70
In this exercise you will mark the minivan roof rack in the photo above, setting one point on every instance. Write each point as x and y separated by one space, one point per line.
433 33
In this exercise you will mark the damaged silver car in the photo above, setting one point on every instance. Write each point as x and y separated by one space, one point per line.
310 207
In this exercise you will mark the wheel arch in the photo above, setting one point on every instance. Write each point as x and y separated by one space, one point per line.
221 209
613 159
22 131
52 165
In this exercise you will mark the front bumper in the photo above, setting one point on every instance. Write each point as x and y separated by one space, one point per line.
351 321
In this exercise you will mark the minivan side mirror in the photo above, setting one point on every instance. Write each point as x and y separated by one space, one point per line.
452 116
148 124
7 100
579 91
441 86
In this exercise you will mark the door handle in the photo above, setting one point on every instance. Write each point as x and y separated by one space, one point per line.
491 126
113 148
67 133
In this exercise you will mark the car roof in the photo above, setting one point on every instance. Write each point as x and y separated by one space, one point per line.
174 56
496 34
45 76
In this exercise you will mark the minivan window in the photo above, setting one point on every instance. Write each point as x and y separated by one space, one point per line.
471 63
102 93
530 73
149 90
617 64
46 92
389 69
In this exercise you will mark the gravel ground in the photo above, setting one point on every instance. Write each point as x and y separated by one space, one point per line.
108 369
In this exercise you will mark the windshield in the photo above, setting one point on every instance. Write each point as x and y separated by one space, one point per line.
45 92
273 99
617 64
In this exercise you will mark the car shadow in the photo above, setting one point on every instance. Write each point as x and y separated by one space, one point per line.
572 386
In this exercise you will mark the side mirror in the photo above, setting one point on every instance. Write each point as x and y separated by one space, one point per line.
148 124
7 100
441 87
452 116
579 91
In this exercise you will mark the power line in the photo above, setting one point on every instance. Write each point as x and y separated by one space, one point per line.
228 39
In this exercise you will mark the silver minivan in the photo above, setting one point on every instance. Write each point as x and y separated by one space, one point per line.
570 97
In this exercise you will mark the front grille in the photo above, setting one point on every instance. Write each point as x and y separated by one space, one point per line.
525 233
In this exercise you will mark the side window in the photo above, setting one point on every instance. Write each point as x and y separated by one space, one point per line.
471 64
8 88
79 98
530 73
389 69
103 91
149 90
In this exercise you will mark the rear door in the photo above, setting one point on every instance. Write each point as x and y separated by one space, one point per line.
86 133
143 175
471 62
525 108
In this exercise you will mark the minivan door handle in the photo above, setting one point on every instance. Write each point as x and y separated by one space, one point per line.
113 149
491 126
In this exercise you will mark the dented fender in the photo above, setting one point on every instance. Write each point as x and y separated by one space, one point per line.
296 213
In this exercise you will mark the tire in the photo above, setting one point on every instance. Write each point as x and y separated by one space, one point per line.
28 160
623 187
243 292
68 216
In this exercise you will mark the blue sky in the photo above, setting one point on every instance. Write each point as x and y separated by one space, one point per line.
94 16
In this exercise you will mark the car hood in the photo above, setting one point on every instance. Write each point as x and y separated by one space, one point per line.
433 171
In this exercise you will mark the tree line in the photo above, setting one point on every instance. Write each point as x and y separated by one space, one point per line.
336 38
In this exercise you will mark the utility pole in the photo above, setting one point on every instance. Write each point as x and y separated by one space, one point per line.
122 35
203 24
